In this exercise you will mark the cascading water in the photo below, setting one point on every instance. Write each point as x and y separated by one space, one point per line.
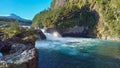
59 52
51 36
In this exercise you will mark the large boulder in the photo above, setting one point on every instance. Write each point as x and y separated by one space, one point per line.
19 51
22 57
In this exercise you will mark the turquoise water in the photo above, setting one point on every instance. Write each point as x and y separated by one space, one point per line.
0 54
78 53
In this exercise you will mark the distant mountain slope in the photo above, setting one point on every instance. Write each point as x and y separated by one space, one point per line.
12 18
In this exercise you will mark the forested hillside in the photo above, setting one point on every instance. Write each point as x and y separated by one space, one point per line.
102 17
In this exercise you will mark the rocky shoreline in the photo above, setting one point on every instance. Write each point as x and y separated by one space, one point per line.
78 31
19 51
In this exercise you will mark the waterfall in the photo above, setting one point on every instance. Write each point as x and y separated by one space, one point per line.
54 35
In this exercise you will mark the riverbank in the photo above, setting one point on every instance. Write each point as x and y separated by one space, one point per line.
79 32
19 50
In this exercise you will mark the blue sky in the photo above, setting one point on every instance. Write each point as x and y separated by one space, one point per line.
24 8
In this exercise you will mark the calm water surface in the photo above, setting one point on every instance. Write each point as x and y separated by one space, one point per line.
78 53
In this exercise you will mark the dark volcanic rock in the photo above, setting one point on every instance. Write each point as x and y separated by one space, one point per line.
19 51
77 31
4 47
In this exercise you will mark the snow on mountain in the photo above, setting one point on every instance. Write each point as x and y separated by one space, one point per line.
14 16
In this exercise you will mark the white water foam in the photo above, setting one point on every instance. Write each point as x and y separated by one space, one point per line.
71 46
67 45
51 36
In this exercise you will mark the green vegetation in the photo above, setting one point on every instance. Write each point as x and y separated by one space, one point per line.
6 22
101 16
21 35
110 14
64 17
12 30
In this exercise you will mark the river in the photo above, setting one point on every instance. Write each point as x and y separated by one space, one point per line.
78 53
71 52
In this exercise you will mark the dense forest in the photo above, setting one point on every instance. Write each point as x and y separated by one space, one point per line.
5 22
102 17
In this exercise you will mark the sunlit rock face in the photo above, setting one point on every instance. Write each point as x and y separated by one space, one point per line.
21 56
62 2
115 38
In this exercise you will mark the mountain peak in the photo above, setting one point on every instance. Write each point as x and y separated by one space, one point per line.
12 15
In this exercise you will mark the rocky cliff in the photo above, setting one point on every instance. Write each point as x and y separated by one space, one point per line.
107 14
19 51
57 3
93 18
